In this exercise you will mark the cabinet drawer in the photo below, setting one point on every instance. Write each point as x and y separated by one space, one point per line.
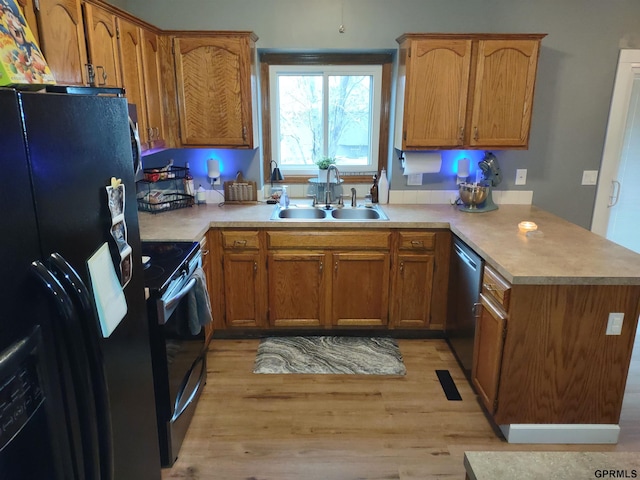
241 240
328 240
416 241
496 286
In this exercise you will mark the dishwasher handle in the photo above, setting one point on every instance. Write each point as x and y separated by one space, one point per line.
464 257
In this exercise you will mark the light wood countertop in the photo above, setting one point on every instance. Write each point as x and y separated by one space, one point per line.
560 253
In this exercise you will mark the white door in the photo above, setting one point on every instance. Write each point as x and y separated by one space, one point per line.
617 210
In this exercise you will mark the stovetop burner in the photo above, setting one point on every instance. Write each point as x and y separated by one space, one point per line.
166 259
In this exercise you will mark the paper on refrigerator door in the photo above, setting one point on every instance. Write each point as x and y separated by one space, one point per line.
107 291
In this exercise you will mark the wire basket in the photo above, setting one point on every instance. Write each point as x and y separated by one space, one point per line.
165 202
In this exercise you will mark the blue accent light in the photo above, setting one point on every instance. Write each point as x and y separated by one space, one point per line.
450 161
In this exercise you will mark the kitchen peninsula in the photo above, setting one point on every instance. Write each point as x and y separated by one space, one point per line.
557 376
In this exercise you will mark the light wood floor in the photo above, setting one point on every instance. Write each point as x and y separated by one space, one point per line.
342 427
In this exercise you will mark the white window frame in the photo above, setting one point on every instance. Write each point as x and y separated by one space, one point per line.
375 71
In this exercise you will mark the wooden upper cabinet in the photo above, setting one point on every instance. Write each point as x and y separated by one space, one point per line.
465 90
102 45
152 75
436 87
214 76
61 30
130 43
503 95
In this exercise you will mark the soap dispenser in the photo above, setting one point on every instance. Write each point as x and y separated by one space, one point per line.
374 189
284 197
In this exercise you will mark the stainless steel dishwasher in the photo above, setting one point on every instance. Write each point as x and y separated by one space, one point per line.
466 277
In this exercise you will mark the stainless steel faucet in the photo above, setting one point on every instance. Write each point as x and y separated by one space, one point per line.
353 197
327 187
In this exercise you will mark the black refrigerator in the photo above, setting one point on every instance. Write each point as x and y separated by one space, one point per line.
76 402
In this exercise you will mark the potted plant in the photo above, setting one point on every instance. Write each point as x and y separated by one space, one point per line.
323 165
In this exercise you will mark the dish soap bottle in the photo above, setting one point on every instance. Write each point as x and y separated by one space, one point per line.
284 197
374 190
383 187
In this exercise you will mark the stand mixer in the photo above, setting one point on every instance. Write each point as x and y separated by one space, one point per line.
491 178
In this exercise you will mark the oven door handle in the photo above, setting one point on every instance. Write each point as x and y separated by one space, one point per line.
179 406
168 306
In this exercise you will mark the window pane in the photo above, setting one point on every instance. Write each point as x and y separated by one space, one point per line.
350 119
300 119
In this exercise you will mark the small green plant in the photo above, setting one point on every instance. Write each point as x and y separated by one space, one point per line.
324 162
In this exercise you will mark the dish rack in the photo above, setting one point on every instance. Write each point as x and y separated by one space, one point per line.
240 190
171 197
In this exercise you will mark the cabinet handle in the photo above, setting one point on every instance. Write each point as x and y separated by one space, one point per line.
91 74
157 132
476 310
321 267
205 253
255 267
417 243
102 75
244 133
475 133
239 243
401 268
461 136
150 133
488 286
336 267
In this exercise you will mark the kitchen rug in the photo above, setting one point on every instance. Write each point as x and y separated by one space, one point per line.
329 355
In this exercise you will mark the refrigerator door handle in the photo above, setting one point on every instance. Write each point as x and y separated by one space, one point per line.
87 453
72 283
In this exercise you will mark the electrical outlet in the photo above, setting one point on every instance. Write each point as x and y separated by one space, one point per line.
590 177
216 181
614 325
521 176
414 179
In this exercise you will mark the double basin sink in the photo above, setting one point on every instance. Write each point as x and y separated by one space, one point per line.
320 212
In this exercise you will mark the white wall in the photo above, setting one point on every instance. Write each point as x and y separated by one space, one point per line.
575 75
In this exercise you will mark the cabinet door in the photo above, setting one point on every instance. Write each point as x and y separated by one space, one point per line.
155 115
243 293
487 352
207 268
214 90
132 77
436 93
62 40
503 95
297 289
360 289
102 45
411 301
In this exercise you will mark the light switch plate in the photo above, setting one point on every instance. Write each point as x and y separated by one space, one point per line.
614 325
414 179
590 177
521 176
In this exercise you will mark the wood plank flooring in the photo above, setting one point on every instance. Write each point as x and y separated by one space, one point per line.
344 427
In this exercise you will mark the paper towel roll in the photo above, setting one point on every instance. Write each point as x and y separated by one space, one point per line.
421 162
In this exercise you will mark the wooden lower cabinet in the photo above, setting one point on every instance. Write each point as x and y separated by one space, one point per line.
243 289
360 289
324 279
487 352
297 286
411 290
208 275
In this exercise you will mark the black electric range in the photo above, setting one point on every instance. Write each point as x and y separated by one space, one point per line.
178 356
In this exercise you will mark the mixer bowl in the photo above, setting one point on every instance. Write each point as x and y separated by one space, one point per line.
473 195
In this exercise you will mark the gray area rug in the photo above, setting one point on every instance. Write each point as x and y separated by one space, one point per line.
326 355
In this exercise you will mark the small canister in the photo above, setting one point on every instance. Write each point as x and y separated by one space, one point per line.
201 195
